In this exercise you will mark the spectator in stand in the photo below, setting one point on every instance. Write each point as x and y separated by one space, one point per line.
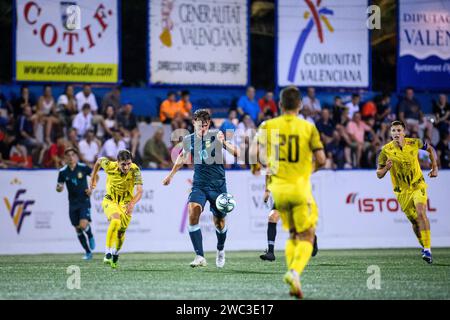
369 110
267 104
384 117
23 101
67 106
112 146
5 111
89 148
156 153
335 151
248 105
54 156
325 126
168 109
108 123
83 120
353 105
409 112
112 98
86 96
127 124
184 106
441 111
231 123
443 151
306 114
46 111
72 137
25 131
311 102
18 156
338 110
7 140
356 130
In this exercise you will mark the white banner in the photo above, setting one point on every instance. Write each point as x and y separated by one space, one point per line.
198 42
69 41
360 213
322 43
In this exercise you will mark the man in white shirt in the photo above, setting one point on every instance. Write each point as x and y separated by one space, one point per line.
311 102
353 106
83 120
89 148
112 146
86 96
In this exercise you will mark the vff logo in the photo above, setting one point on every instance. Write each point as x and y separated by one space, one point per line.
18 210
70 15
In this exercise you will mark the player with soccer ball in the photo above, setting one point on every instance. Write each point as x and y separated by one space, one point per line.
205 148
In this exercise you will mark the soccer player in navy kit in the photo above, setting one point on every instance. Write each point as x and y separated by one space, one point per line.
205 148
74 175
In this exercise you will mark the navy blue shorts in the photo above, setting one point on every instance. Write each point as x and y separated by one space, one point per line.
79 213
202 194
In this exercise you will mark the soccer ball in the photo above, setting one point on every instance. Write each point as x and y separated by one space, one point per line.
225 203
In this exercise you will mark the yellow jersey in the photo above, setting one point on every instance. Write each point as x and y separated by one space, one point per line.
405 171
289 145
119 186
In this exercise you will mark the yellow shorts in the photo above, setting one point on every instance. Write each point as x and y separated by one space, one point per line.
111 207
298 210
409 198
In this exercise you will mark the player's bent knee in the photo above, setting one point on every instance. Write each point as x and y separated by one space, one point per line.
274 216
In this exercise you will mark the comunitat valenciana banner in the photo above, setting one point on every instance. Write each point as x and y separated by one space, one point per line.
323 43
424 45
200 42
67 41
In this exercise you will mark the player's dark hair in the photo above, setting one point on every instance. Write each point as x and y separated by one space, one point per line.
66 152
124 155
202 114
290 98
398 123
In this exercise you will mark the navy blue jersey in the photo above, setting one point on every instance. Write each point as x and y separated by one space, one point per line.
76 182
207 155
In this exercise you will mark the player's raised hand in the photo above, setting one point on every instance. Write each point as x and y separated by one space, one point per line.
433 172
167 180
220 137
388 164
88 192
255 169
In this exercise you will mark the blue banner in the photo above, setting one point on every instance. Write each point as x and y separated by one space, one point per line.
424 45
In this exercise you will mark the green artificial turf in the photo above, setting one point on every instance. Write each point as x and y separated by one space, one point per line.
332 274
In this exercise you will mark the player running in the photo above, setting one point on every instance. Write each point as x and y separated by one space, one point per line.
205 147
118 203
274 217
289 144
74 175
400 157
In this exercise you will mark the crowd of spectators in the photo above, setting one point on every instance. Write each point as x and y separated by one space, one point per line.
35 132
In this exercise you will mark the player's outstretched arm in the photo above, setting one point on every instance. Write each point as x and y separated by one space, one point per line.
181 159
434 166
94 174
